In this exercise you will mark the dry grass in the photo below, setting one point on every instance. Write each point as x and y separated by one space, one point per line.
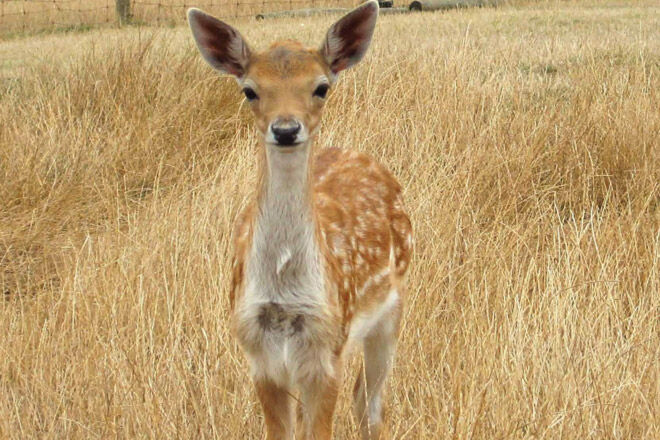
30 16
527 143
24 17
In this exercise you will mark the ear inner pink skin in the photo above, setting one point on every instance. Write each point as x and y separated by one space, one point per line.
222 46
349 38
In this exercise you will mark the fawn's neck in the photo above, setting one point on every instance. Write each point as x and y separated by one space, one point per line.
285 187
285 259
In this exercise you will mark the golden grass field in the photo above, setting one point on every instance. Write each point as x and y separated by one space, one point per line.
32 16
526 140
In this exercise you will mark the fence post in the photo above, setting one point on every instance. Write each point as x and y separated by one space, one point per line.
123 11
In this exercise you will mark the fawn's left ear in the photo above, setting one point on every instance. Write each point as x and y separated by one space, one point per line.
220 44
348 39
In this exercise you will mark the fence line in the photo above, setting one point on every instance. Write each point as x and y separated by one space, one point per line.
34 15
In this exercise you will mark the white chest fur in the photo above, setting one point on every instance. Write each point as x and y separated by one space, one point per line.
284 265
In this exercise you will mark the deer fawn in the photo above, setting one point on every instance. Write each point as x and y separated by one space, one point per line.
321 251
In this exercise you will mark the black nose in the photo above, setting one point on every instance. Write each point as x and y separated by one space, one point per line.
285 132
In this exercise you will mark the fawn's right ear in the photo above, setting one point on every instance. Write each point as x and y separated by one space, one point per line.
220 44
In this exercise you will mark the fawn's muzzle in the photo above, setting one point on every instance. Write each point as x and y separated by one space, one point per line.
285 131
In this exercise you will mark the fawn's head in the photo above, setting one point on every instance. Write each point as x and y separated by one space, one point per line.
287 84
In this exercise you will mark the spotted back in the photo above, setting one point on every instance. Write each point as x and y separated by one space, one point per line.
365 231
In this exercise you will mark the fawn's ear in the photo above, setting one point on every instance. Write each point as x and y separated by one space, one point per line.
348 39
220 44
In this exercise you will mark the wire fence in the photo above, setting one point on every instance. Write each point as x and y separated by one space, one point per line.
18 16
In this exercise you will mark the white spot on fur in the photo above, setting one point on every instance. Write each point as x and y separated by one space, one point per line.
285 256
346 267
374 280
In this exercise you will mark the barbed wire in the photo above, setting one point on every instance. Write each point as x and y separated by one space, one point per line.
18 16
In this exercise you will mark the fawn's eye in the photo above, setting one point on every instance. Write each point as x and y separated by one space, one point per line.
321 90
250 94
